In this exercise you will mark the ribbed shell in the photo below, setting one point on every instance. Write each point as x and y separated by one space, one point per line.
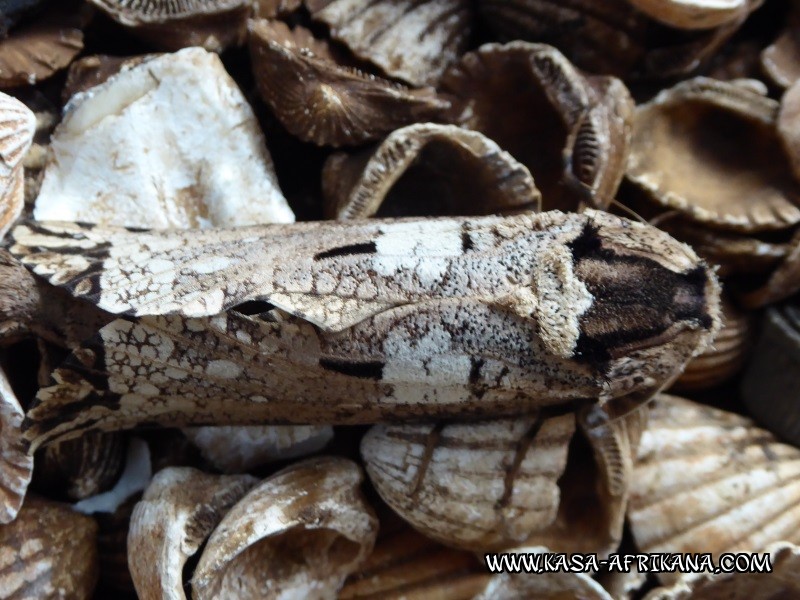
16 465
35 52
17 127
136 12
711 481
480 485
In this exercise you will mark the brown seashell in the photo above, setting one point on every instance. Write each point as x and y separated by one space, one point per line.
780 61
693 14
177 513
725 356
171 25
83 466
301 531
236 449
17 127
711 481
36 51
407 39
789 126
90 71
772 378
783 581
50 551
320 101
408 565
709 149
16 465
427 169
571 131
782 283
271 9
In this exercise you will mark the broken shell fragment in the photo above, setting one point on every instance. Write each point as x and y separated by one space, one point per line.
772 379
782 581
711 481
16 465
297 534
170 25
409 40
692 14
237 449
710 150
177 122
427 169
322 102
17 127
49 551
571 131
177 513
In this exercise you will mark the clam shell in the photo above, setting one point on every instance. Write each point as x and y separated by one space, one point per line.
711 481
16 465
709 149
407 39
692 14
571 131
17 127
427 169
780 61
771 385
50 551
323 102
182 125
177 513
300 532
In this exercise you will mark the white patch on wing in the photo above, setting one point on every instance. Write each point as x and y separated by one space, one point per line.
225 369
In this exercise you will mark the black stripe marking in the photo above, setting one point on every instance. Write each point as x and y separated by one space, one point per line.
466 239
372 369
365 248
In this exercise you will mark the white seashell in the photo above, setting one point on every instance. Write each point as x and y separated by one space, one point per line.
17 127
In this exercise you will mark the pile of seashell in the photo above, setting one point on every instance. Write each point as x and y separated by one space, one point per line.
330 298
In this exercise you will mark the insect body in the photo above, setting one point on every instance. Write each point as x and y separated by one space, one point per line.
368 321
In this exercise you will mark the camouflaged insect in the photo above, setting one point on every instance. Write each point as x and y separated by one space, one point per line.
358 322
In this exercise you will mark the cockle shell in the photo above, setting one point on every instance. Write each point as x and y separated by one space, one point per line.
427 169
297 534
16 465
711 481
17 126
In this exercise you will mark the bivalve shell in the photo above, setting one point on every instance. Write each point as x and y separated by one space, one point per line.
17 127
16 465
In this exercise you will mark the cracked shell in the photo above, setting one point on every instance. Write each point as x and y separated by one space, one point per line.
407 39
326 103
427 169
571 131
17 128
710 150
16 465
707 480
300 532
179 510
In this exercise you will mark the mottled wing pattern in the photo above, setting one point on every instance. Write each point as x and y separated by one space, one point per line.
331 274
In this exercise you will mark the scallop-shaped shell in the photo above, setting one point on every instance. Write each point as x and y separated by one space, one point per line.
297 534
571 131
428 169
16 465
237 449
711 481
322 102
726 354
780 61
49 551
407 39
136 12
781 582
177 513
692 14
771 385
17 127
182 124
710 150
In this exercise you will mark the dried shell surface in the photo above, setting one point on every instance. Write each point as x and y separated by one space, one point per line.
17 127
50 551
322 102
480 485
782 583
725 356
710 149
16 465
428 169
789 125
711 481
178 511
781 60
153 123
234 449
297 534
782 283
772 379
409 40
571 131
90 71
692 14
